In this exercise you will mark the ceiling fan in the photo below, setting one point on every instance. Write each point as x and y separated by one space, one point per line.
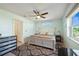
39 15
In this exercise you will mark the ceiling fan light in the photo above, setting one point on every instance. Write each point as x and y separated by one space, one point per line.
38 16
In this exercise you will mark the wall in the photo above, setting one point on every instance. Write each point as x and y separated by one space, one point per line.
49 26
6 24
28 28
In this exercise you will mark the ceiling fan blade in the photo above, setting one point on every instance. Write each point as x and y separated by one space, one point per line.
42 16
38 12
34 11
44 13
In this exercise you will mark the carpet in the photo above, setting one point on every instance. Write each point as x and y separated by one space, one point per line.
33 50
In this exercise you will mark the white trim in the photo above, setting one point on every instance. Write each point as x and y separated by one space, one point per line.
74 40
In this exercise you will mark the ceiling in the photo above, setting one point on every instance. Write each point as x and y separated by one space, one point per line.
55 10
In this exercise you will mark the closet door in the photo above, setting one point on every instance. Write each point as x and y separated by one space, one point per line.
18 30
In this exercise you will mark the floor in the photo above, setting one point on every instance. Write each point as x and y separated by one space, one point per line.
9 54
33 50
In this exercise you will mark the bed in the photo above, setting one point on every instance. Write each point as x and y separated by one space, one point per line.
47 41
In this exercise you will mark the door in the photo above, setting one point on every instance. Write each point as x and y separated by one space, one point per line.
18 31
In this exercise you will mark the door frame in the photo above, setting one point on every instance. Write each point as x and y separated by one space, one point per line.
19 37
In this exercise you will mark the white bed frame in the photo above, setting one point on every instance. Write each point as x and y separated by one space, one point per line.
45 41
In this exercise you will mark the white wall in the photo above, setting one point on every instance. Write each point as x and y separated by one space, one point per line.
6 24
28 28
49 26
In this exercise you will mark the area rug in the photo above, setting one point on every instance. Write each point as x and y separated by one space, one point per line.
33 50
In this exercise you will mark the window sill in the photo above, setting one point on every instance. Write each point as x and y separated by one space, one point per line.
75 40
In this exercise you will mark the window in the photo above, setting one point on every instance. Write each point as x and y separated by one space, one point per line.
75 25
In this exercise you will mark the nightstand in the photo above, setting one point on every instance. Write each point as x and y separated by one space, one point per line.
58 38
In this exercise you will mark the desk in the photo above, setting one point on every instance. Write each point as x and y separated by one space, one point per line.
74 52
62 52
